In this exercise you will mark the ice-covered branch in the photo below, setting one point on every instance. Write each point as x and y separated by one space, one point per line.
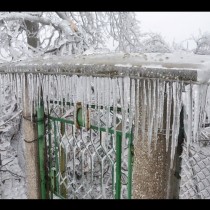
64 17
63 25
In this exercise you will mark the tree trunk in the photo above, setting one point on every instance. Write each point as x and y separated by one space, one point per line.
32 29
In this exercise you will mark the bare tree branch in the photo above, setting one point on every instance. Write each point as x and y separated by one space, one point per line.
63 16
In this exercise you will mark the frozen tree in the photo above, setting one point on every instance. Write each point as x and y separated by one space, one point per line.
153 42
202 44
27 34
181 46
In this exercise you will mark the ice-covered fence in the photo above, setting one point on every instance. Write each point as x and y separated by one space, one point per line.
152 86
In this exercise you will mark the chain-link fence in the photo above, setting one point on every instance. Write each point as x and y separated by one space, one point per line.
195 173
86 157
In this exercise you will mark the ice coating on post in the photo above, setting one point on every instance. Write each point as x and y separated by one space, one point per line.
168 114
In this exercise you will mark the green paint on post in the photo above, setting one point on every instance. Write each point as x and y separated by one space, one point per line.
41 146
79 117
118 164
50 175
130 165
56 160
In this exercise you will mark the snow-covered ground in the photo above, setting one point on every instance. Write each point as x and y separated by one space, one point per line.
12 168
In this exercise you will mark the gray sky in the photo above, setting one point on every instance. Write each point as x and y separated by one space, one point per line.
177 26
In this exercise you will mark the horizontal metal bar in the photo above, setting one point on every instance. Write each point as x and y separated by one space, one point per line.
91 106
118 75
111 131
61 120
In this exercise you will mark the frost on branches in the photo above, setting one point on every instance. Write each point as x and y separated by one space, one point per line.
29 34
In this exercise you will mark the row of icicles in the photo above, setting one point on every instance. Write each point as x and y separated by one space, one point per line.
151 105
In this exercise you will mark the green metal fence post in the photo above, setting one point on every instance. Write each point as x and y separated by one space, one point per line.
50 174
118 164
130 164
41 146
57 190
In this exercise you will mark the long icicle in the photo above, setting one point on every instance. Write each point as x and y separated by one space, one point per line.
168 114
144 113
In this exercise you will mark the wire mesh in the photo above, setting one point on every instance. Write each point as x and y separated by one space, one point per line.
195 173
82 159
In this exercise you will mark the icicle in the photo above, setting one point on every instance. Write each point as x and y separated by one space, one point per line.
47 90
23 82
168 112
98 90
13 85
189 116
161 104
196 110
53 90
174 123
88 95
88 87
56 88
144 110
131 104
114 91
204 97
74 99
108 105
60 93
136 127
178 110
16 88
9 83
106 111
60 89
34 93
70 90
149 114
1 90
44 89
39 89
124 107
84 98
153 115
156 113
30 81
176 119
4 89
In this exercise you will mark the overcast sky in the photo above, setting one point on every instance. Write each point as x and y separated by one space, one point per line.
177 26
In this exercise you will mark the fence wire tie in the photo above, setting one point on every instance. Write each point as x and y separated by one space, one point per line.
32 121
36 138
